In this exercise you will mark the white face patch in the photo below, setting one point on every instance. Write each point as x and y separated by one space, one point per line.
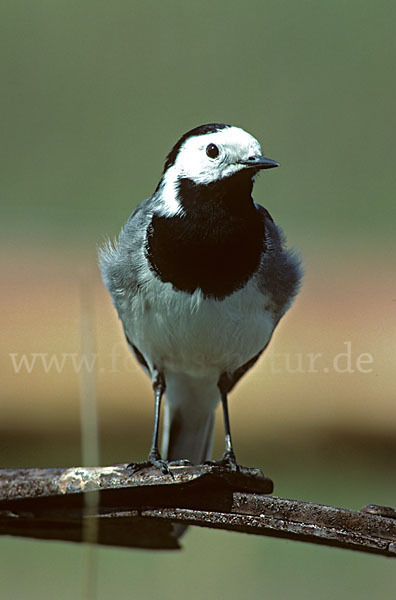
170 205
234 144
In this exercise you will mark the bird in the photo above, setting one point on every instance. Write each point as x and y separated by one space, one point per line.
200 276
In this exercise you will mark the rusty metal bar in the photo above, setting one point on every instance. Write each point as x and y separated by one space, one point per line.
139 510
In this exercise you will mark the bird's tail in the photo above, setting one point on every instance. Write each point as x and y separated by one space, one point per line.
190 405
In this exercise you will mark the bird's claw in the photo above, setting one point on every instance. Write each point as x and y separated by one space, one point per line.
154 461
227 461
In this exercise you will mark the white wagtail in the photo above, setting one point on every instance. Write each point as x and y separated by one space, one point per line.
200 278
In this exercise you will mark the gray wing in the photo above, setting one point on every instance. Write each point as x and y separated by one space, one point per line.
280 271
123 265
228 380
122 262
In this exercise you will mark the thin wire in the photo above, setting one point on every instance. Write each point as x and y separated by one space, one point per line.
89 435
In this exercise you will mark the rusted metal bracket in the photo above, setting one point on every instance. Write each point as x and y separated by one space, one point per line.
140 510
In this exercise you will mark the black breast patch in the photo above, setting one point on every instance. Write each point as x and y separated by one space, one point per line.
215 246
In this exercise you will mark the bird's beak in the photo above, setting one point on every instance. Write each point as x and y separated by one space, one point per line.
259 162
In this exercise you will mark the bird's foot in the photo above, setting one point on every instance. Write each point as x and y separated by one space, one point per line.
227 461
161 465
155 461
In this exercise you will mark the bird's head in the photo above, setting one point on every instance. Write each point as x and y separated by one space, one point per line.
208 154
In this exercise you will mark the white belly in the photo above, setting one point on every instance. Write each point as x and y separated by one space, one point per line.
179 332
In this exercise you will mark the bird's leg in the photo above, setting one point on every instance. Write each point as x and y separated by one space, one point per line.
228 458
154 457
159 389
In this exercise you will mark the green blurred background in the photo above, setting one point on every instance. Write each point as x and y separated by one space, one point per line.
93 96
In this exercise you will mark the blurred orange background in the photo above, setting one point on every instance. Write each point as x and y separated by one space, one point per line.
343 316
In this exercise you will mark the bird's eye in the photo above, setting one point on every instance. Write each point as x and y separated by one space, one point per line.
212 151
